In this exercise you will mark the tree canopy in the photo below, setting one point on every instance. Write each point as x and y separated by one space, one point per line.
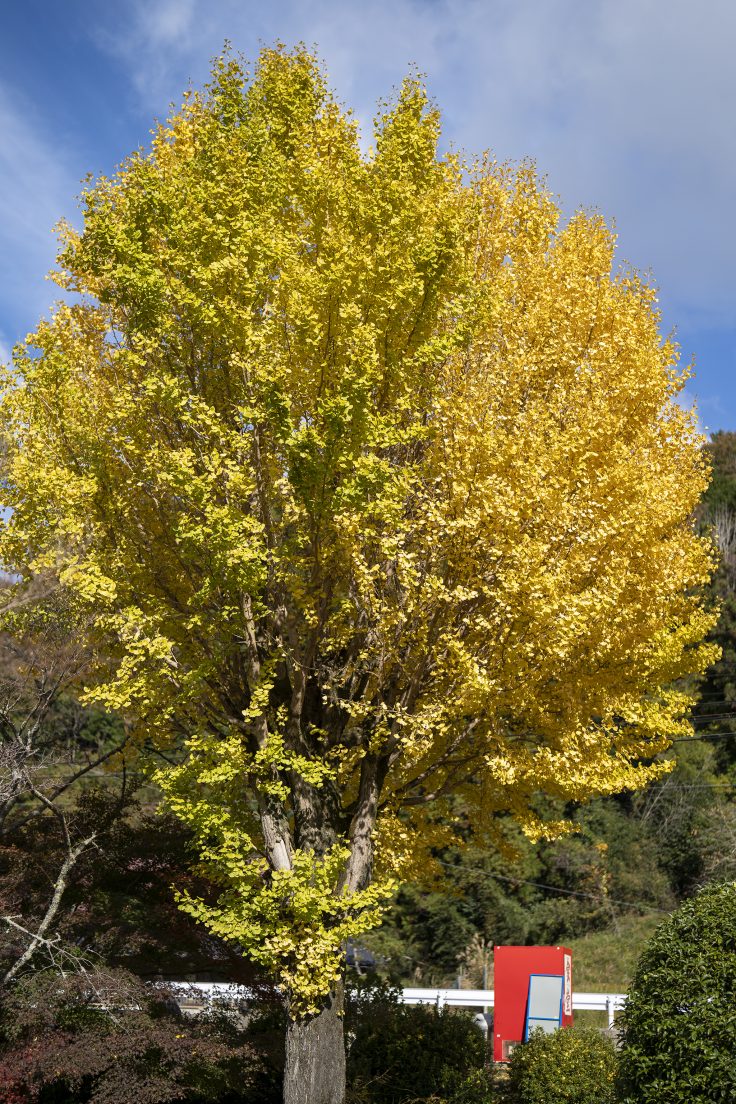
366 476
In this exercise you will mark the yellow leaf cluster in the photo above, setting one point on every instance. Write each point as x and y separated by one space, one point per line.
370 478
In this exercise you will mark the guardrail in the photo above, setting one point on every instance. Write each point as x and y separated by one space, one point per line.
610 1003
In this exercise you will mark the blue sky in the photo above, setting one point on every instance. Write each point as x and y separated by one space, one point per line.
626 105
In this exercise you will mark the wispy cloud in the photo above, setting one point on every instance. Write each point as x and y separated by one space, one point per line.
5 350
169 23
688 401
154 41
37 189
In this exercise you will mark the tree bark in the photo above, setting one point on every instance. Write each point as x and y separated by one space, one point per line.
315 1056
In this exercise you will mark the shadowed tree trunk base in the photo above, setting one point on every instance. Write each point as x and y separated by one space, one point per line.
315 1056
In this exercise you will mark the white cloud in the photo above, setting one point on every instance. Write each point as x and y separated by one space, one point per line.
168 23
5 350
153 40
688 401
37 189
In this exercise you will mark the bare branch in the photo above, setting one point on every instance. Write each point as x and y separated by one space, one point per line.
38 938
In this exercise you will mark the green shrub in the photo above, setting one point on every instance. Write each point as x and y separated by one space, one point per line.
571 1066
477 1088
400 1053
679 1024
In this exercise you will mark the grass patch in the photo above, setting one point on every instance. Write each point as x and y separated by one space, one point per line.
604 962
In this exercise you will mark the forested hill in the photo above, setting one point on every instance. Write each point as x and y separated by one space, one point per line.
634 858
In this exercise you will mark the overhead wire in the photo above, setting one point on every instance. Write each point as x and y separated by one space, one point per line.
554 889
722 735
723 786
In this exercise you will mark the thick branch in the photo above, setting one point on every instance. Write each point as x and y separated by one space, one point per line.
360 864
276 836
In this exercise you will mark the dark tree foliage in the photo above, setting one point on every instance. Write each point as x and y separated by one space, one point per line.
86 863
64 782
117 905
722 489
121 905
679 1037
86 870
717 707
31 857
399 1053
104 1038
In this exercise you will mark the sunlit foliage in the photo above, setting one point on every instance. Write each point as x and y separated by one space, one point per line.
369 477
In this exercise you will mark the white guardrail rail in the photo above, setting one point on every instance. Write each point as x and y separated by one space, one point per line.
610 1003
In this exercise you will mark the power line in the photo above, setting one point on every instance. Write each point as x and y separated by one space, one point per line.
714 696
554 889
727 786
722 735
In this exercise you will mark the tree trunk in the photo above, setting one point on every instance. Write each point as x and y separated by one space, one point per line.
315 1056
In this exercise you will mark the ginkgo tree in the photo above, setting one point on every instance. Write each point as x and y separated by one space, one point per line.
368 479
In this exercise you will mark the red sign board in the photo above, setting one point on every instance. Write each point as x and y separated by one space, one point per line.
512 968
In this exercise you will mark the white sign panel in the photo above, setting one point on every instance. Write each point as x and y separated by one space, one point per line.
567 999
